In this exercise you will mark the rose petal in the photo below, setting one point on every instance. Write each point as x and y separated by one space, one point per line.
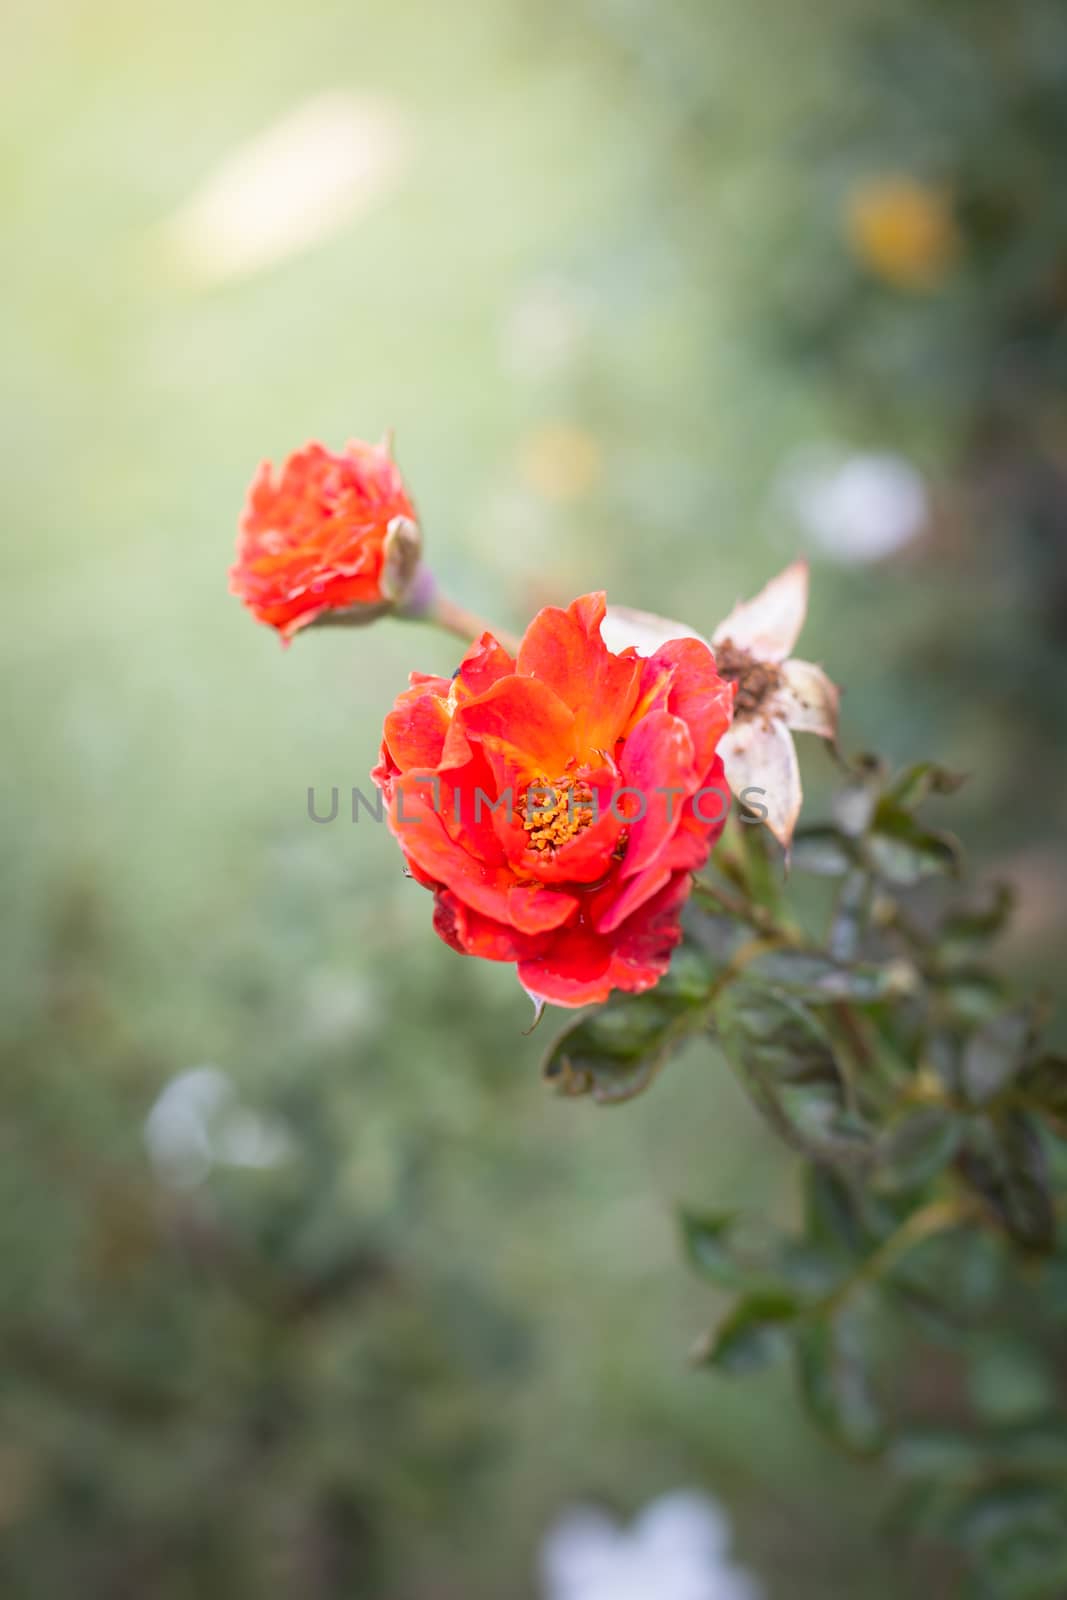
759 755
769 625
578 968
703 700
657 763
534 909
419 828
806 699
701 819
610 913
523 721
473 934
573 969
485 663
657 676
644 943
415 729
463 797
564 650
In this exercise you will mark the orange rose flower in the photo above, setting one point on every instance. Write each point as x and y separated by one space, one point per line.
558 802
329 533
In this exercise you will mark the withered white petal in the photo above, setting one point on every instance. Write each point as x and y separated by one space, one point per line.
622 627
759 756
769 625
806 699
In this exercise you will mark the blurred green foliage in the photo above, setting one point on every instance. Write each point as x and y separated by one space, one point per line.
380 1366
931 1122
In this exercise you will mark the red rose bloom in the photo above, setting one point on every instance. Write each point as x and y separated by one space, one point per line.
558 802
313 536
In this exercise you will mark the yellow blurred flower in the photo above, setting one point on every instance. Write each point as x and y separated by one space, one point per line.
903 231
560 462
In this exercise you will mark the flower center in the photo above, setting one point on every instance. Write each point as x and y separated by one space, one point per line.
755 679
555 812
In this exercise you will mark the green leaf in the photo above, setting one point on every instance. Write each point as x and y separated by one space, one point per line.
707 1244
1011 1529
850 914
820 980
822 850
780 1033
1039 1446
1005 1162
1044 1082
855 803
828 1130
787 1061
692 970
763 881
941 1453
918 782
915 1149
902 851
969 925
970 996
737 1252
829 1212
835 1381
1009 1379
1009 1511
712 938
994 1055
753 1335
614 1053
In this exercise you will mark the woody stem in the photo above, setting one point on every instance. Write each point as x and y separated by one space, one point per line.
464 624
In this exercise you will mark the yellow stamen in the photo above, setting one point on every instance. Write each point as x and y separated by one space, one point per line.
554 813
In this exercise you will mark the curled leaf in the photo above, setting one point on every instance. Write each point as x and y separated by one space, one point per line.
614 1052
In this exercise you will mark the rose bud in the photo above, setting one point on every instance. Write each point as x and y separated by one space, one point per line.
329 538
557 802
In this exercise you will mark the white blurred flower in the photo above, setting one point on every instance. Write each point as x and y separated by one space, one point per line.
776 695
198 1122
676 1549
291 186
857 509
